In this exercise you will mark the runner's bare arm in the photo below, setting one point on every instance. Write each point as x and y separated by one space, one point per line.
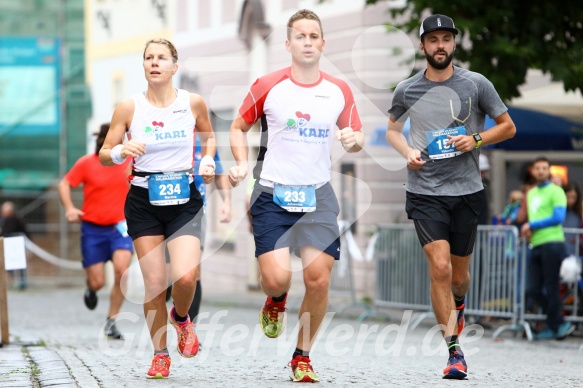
397 140
120 122
240 149
206 135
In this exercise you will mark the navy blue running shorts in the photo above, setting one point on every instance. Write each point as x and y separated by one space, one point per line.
145 219
98 242
275 228
450 218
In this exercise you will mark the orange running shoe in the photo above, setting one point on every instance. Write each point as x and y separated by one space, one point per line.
187 339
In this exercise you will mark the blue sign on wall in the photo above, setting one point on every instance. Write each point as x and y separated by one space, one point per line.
29 86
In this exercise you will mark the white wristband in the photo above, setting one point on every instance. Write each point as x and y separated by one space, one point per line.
116 154
206 161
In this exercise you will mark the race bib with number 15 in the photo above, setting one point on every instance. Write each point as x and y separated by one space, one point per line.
437 139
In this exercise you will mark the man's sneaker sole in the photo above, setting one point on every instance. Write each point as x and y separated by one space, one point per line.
305 379
455 374
566 333
262 320
113 336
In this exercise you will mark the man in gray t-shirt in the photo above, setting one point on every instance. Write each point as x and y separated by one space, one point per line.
446 106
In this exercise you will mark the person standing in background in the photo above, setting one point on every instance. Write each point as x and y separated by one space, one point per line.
546 207
10 226
573 218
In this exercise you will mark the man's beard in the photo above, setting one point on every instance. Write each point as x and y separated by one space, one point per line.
543 179
439 65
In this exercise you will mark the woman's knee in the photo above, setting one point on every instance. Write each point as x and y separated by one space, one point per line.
187 281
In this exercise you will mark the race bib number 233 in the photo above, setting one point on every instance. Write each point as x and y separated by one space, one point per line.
295 198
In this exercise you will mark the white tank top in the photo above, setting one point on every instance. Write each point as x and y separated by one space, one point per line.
168 134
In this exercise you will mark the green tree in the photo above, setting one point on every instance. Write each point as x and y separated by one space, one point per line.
508 37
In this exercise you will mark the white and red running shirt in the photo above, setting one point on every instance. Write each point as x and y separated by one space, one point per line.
298 124
168 134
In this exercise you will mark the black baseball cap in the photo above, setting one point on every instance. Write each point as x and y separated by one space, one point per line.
437 22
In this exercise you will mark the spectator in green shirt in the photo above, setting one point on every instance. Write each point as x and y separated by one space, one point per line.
546 205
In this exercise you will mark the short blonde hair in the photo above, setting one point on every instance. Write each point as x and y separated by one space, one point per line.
303 14
165 42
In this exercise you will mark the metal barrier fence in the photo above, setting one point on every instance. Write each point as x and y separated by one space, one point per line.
497 269
402 278
497 276
342 282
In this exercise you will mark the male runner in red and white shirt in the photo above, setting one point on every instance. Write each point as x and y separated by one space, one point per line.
293 205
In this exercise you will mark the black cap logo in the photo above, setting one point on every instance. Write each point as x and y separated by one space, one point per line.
437 22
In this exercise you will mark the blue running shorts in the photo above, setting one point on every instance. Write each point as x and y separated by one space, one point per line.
98 243
274 227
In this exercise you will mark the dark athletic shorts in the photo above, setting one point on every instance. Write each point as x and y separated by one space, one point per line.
274 227
145 219
98 242
450 218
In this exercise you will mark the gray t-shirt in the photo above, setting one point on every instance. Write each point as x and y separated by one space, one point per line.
460 102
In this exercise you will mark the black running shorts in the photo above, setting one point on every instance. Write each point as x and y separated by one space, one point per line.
450 218
145 219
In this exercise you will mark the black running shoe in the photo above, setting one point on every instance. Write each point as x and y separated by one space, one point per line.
169 293
90 298
111 330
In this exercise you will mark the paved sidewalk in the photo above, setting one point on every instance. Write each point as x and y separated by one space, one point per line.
57 342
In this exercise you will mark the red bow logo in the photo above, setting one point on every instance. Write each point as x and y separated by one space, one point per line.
300 115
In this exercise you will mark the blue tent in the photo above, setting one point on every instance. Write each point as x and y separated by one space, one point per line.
535 131
538 131
378 137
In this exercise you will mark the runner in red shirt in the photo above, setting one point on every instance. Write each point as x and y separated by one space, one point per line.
103 230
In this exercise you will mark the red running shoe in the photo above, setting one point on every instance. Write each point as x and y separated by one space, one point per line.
187 339
302 370
160 368
272 317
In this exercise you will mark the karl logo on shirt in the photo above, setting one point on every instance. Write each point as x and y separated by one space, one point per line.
304 128
159 134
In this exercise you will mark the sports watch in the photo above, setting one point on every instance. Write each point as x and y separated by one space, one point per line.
478 139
